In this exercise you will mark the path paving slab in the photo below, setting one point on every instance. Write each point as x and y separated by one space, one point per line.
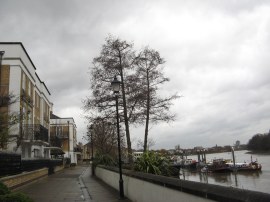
74 184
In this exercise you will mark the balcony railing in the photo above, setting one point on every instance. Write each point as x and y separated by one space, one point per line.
62 136
56 142
77 149
35 132
4 100
26 98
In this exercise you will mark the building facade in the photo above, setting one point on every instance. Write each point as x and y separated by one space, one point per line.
87 152
28 134
63 134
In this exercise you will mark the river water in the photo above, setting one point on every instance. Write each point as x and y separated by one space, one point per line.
257 181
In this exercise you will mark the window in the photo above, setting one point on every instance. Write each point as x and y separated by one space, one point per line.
37 101
23 81
36 152
29 87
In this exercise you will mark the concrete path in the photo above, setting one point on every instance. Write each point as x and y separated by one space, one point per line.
71 184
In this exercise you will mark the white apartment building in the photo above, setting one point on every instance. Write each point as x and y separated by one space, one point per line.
63 134
18 77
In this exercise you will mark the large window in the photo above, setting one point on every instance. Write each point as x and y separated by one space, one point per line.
23 81
37 100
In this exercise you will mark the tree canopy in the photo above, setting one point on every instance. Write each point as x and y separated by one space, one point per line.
259 142
141 75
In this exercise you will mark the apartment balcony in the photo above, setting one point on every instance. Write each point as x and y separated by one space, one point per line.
56 142
26 98
35 132
77 149
62 136
4 101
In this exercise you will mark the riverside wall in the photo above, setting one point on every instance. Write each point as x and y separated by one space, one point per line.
143 187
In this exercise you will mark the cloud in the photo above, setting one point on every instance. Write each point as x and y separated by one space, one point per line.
216 52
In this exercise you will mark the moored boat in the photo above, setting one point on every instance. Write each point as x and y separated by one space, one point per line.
221 165
218 165
253 166
185 163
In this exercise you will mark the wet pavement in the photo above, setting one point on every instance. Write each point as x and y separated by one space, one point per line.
71 184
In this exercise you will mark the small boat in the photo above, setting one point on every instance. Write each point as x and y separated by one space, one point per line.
188 163
253 166
217 165
221 165
185 163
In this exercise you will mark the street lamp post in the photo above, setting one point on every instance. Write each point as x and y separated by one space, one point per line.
92 149
68 142
116 88
1 57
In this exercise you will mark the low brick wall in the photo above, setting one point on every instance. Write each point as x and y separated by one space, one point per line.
17 180
145 187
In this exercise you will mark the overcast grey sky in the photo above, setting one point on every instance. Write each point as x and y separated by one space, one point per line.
217 56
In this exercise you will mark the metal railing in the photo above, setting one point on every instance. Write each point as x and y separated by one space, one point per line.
62 135
55 142
77 149
35 132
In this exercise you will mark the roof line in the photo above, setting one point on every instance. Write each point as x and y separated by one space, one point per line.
42 83
20 43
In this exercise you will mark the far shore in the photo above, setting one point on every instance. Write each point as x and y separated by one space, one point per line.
258 152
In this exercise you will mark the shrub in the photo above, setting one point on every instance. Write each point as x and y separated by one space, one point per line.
104 159
153 163
4 189
15 197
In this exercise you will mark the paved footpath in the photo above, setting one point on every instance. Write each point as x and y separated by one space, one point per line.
71 184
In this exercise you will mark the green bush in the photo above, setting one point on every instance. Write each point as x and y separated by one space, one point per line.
153 163
4 189
15 197
104 159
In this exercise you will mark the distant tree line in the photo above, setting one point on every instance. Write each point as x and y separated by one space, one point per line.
259 142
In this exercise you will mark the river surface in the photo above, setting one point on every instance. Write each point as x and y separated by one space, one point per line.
254 180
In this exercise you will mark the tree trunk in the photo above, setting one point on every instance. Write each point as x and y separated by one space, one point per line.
147 114
130 157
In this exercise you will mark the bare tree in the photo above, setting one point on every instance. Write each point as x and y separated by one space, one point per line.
116 58
141 76
153 108
150 143
104 137
7 120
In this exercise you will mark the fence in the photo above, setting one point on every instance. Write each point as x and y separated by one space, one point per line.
35 164
10 164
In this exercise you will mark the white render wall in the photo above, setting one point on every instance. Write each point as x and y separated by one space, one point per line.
72 133
143 191
16 57
14 88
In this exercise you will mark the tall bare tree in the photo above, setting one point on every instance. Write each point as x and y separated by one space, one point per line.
141 77
116 58
150 74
